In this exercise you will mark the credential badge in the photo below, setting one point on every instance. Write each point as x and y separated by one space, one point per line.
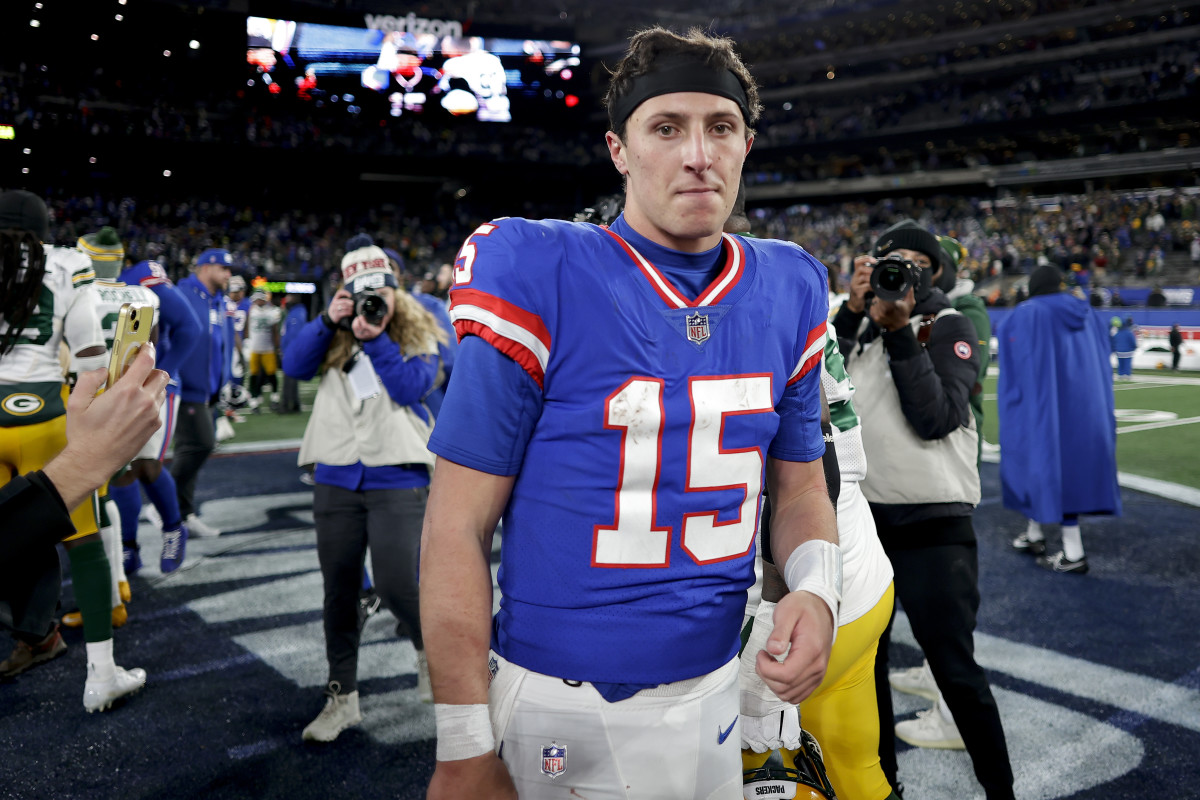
554 759
697 327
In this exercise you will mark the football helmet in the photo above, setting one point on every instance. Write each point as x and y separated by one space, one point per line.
788 774
234 396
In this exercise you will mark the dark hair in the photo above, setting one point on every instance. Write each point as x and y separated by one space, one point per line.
649 45
22 267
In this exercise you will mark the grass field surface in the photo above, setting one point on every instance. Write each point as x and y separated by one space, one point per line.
1158 425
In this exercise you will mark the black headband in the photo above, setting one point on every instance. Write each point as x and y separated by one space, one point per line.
680 73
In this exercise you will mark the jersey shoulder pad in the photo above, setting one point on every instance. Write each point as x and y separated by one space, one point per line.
71 262
147 273
506 285
518 258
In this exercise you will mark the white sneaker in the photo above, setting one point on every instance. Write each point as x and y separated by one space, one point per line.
340 712
917 680
930 729
224 429
424 687
99 695
198 528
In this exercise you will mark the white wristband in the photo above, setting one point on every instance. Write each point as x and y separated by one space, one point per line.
463 731
816 567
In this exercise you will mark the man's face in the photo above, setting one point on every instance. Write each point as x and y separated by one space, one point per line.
682 157
236 295
214 276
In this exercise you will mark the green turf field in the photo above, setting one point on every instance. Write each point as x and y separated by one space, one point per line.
1160 417
266 426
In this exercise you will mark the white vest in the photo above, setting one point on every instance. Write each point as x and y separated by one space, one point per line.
378 432
906 469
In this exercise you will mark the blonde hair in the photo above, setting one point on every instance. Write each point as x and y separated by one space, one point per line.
412 327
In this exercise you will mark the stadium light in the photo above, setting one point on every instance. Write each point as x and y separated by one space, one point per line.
195 45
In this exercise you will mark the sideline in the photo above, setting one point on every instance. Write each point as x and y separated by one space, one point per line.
269 446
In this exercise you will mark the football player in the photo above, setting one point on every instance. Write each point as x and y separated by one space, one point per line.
841 713
178 331
778 756
623 392
238 307
44 303
107 256
262 337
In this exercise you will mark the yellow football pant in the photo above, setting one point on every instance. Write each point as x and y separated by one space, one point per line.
842 713
26 448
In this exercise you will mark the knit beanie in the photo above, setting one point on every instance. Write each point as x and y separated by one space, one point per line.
908 235
105 250
24 210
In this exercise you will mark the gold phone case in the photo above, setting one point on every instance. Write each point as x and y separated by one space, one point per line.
133 331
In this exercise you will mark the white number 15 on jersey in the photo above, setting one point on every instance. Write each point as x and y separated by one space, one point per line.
636 409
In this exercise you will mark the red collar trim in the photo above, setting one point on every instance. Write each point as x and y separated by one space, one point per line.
735 265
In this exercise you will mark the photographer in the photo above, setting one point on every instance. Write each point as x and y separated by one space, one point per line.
377 351
914 361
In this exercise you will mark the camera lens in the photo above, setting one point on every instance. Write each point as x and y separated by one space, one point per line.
372 308
892 279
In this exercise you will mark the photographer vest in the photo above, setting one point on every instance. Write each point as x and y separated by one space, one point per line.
904 468
378 432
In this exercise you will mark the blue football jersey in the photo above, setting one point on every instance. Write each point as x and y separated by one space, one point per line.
629 535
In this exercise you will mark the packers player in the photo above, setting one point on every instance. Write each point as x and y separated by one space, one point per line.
43 305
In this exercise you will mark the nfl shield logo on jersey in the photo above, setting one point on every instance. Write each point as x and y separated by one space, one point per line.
697 327
554 759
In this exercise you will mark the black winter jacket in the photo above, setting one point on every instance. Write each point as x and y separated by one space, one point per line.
934 382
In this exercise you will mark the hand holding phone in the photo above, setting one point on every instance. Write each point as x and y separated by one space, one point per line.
134 324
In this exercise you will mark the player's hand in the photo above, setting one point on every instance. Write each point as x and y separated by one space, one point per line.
893 315
105 432
803 639
860 283
485 775
341 306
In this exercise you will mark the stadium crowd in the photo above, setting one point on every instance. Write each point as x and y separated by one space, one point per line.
1115 237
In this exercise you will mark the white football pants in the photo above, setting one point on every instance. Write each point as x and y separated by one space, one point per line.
678 741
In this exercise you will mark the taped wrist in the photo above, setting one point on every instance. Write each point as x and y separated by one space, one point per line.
463 731
816 567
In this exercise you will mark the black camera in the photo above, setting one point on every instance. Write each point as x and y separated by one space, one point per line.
893 276
368 304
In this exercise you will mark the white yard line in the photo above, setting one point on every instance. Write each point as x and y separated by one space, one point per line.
1165 489
1149 426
